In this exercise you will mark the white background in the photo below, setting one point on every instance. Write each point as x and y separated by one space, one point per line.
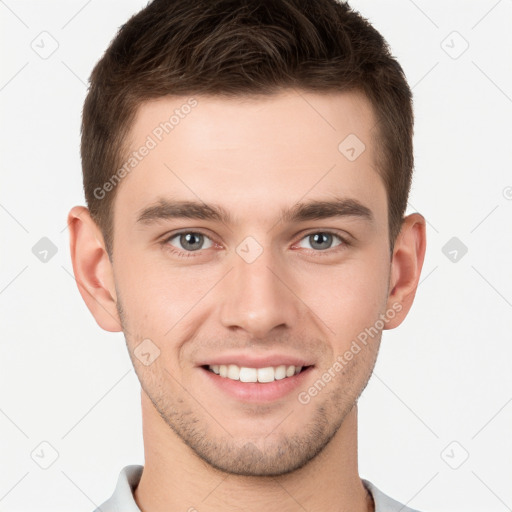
442 376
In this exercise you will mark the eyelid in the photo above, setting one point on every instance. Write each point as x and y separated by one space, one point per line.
331 231
345 238
168 237
303 234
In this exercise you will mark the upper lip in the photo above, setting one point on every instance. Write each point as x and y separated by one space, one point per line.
249 361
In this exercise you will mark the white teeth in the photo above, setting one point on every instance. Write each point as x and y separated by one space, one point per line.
266 374
245 374
233 372
280 372
248 374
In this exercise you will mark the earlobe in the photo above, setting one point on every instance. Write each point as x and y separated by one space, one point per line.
406 265
93 269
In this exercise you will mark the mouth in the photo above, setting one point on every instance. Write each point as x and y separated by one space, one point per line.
247 374
256 378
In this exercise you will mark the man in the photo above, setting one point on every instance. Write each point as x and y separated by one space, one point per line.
246 167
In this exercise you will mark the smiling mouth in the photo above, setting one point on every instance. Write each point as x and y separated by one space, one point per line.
262 375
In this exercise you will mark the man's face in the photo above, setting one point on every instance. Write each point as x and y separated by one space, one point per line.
258 289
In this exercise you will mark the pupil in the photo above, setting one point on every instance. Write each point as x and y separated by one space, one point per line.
319 238
187 241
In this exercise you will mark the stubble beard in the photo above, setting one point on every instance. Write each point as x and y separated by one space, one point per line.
270 455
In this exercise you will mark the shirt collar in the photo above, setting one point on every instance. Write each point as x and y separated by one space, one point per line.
123 501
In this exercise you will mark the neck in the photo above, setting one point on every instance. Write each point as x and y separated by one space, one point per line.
175 478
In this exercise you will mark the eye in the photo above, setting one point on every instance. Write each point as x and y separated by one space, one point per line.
322 240
189 241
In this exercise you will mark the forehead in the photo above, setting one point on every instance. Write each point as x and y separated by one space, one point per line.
246 152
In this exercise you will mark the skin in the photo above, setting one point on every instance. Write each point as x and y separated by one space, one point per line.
252 156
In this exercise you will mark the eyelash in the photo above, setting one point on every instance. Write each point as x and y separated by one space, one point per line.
191 254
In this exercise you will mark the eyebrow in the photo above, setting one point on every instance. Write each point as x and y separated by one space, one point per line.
300 212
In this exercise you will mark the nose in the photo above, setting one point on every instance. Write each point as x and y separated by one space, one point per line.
258 297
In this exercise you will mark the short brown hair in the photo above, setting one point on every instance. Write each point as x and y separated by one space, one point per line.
243 47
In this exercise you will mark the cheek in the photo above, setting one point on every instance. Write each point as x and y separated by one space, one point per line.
161 300
346 298
143 290
156 297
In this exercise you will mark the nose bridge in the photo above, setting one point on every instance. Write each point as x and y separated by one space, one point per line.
257 298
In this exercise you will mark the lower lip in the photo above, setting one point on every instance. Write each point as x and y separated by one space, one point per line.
258 392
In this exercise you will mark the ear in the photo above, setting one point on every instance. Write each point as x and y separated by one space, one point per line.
92 268
406 265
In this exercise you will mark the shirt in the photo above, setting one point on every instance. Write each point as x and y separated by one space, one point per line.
123 501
